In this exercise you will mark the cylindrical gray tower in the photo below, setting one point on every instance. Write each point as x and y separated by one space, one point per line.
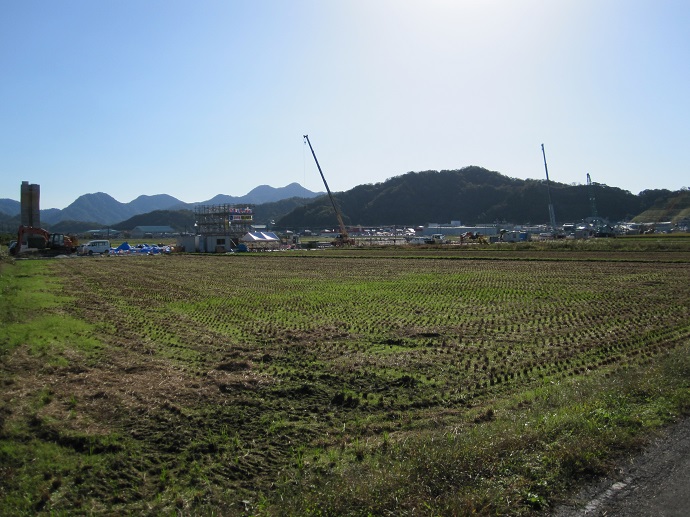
30 205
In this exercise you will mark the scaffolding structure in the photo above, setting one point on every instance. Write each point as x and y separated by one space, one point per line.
223 220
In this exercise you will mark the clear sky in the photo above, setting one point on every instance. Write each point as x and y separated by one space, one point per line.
203 97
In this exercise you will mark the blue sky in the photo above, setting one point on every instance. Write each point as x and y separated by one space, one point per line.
197 98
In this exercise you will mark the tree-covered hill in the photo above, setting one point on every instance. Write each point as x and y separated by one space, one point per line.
665 206
470 195
183 220
180 220
268 213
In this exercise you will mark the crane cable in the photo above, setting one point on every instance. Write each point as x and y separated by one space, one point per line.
304 162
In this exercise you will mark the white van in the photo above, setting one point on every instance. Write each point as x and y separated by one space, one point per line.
91 247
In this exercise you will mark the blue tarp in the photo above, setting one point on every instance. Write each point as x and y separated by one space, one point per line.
141 249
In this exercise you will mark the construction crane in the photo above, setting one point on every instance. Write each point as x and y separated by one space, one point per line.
343 239
592 201
552 214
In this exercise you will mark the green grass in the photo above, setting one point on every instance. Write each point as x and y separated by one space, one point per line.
336 383
521 455
39 454
32 314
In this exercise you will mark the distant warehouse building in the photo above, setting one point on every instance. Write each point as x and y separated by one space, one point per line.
455 228
146 232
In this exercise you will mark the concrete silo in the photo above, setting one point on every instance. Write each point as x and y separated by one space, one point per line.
30 205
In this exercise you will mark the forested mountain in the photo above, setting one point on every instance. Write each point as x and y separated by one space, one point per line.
269 213
105 210
10 207
471 195
183 220
180 220
72 227
264 194
99 208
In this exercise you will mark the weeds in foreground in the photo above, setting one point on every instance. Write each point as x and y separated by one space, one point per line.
537 446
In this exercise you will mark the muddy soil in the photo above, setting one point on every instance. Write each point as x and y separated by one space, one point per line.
655 482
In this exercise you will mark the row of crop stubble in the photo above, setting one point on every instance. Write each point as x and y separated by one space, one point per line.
437 315
241 371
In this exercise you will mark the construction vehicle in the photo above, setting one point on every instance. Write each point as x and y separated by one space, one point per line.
592 200
343 239
552 214
37 241
437 238
554 232
600 227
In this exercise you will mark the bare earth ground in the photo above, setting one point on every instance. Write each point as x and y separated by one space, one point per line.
657 482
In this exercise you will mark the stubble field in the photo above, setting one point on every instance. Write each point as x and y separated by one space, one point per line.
333 382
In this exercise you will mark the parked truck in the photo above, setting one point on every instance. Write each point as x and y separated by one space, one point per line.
436 238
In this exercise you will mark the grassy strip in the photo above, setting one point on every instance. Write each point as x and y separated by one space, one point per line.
39 451
647 248
31 314
493 255
524 453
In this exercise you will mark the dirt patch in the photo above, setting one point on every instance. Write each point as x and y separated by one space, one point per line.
655 482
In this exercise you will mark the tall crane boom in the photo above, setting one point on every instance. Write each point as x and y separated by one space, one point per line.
552 214
592 201
344 237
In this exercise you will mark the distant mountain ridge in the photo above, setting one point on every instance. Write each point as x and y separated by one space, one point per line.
471 195
10 207
264 194
474 195
103 209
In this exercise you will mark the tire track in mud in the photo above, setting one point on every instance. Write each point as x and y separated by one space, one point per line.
654 482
